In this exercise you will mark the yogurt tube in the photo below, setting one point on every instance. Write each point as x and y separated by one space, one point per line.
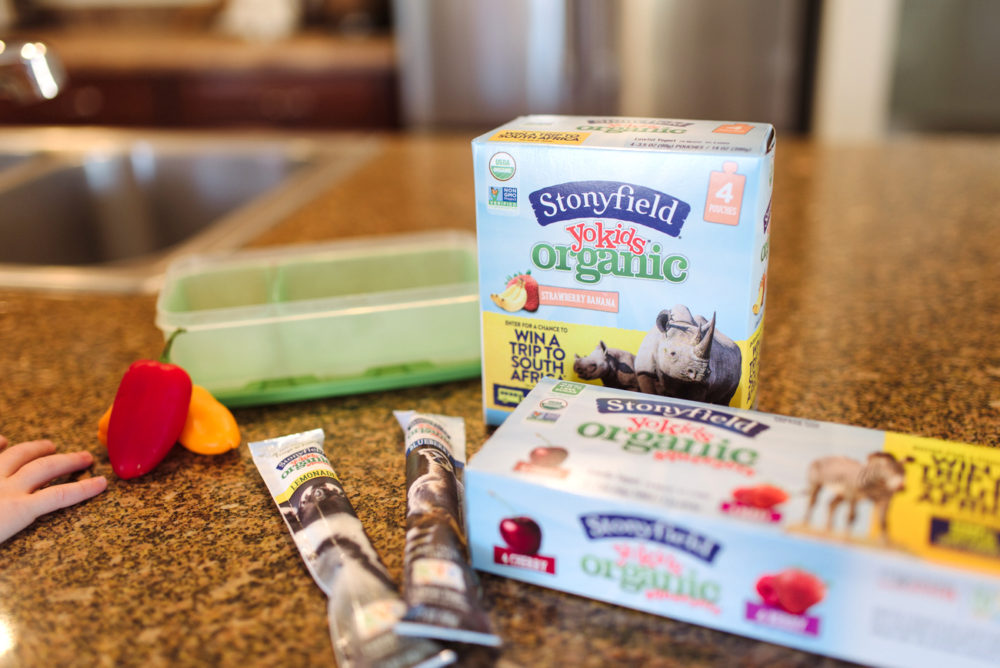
363 602
439 586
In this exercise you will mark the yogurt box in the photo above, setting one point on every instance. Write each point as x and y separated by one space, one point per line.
861 544
627 252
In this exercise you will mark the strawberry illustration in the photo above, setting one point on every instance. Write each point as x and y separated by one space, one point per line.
530 287
798 590
761 496
792 590
767 591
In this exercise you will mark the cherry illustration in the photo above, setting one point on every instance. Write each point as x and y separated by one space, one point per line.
522 534
550 456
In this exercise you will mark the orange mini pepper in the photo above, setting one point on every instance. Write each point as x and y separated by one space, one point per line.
102 426
210 428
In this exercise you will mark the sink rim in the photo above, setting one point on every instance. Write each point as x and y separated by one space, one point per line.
327 157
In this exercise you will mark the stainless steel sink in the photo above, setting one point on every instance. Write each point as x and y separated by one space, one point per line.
108 210
11 159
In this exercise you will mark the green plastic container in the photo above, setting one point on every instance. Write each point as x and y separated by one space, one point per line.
299 322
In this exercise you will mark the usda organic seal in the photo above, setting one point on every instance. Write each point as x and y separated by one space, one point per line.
502 166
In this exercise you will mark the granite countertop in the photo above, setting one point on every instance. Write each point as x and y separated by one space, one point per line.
883 311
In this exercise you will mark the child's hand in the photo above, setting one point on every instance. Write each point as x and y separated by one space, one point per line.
25 468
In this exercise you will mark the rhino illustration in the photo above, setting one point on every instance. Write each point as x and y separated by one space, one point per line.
684 356
615 367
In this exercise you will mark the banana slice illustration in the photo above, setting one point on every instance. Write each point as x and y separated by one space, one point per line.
760 295
512 298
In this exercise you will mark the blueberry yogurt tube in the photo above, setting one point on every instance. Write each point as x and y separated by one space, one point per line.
439 586
363 602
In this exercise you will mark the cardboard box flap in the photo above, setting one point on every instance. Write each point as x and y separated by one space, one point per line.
638 133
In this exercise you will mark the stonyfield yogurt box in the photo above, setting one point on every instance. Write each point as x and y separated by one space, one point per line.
627 252
861 544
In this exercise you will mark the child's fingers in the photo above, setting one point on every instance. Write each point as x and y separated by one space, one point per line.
16 456
37 472
60 496
3 441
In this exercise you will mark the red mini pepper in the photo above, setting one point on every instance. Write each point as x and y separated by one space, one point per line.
148 414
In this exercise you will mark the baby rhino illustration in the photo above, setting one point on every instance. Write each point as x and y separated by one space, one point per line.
850 480
684 356
614 367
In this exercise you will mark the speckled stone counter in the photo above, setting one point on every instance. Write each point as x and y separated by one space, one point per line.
883 311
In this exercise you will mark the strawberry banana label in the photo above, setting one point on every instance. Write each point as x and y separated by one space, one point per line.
866 545
628 253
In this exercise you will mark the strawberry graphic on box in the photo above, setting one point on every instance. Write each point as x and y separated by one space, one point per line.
757 504
792 590
530 287
761 496
787 597
520 292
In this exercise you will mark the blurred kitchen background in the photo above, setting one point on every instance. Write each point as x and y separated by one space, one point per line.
836 69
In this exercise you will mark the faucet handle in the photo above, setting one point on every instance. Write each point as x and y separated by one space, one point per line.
29 72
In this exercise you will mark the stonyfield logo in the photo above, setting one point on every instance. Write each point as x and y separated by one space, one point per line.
299 454
600 525
610 199
720 419
636 123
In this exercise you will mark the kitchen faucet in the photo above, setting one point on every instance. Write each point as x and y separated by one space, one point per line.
29 72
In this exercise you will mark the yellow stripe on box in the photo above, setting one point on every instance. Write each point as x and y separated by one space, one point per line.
540 137
746 393
949 509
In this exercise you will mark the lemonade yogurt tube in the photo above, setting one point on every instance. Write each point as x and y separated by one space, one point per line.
363 603
439 586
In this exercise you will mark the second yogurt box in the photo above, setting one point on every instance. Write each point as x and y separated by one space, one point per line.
628 252
867 545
